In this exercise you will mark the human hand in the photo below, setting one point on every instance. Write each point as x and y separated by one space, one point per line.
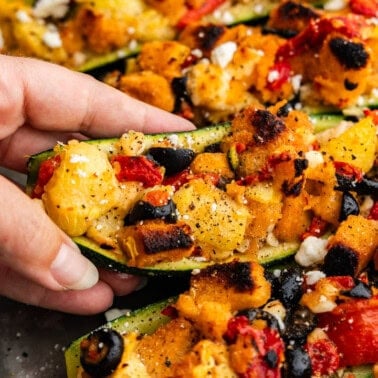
41 104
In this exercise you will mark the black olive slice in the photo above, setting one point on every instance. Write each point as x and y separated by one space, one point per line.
257 313
174 160
144 210
290 287
349 206
340 260
298 324
365 186
360 290
298 363
101 352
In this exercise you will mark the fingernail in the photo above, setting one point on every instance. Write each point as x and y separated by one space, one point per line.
72 270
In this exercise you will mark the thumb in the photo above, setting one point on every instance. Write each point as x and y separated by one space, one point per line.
32 245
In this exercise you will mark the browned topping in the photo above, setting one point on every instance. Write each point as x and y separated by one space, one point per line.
208 35
352 55
267 126
235 275
171 237
291 10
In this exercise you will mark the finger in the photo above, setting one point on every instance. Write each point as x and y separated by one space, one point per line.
84 302
122 283
71 101
15 150
32 245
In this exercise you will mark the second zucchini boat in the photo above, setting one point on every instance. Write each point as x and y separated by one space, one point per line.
255 190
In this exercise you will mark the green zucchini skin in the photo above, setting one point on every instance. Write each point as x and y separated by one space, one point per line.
197 140
145 320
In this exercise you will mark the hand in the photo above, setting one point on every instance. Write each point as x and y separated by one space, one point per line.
40 104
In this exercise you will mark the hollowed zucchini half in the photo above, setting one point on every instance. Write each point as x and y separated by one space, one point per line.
196 140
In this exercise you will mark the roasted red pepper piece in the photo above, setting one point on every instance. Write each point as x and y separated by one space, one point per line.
317 228
45 173
137 168
313 36
348 170
194 15
186 175
267 356
352 326
373 214
367 8
278 75
324 357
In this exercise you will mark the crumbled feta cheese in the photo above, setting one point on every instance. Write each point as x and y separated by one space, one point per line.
197 53
75 158
313 276
133 44
114 313
173 139
323 305
51 38
22 16
311 251
51 8
273 75
224 16
79 58
223 54
335 5
314 158
296 82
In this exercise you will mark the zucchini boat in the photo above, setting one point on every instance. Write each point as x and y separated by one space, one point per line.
113 29
106 257
254 189
245 322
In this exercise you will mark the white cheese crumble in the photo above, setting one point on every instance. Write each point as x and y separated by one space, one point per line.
75 158
52 38
197 53
115 313
22 17
313 276
314 158
296 81
51 8
311 251
223 54
335 5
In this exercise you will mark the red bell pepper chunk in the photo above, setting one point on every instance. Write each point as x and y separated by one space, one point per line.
194 15
278 75
373 214
317 228
313 36
348 170
367 8
137 168
46 170
324 357
352 326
